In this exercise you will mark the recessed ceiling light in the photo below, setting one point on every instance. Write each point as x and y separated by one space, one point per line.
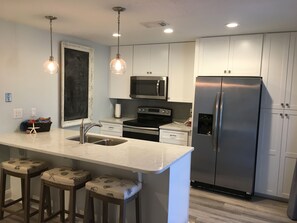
116 35
168 30
232 25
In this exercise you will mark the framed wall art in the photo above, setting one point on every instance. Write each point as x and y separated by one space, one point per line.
77 78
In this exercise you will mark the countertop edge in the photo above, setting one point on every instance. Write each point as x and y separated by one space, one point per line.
99 162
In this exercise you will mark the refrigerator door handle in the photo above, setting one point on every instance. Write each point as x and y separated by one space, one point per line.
220 121
215 123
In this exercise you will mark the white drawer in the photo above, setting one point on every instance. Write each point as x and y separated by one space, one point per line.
109 127
174 137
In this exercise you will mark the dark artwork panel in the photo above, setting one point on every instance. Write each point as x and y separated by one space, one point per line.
76 84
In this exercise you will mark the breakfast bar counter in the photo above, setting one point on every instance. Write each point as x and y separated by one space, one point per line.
163 168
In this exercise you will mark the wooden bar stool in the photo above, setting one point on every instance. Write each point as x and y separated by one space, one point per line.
111 190
64 178
25 169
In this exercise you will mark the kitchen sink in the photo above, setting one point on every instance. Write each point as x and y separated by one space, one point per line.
99 140
110 142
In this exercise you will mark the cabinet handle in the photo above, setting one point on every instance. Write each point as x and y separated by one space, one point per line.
225 71
281 115
287 116
110 127
172 135
288 105
229 71
147 72
283 105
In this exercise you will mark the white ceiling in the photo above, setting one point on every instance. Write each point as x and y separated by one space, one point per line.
96 21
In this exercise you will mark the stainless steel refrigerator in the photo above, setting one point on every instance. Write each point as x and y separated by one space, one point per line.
225 131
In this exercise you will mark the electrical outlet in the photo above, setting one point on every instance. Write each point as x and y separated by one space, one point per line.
17 113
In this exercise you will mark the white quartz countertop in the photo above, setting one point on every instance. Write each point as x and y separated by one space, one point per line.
177 126
116 120
135 155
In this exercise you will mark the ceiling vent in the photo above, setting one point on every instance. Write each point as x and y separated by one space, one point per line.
155 24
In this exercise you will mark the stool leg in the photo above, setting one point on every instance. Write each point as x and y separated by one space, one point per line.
72 205
62 205
122 212
27 199
48 204
138 209
23 186
89 208
41 202
2 192
105 212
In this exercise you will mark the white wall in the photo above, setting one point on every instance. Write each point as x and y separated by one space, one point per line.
23 51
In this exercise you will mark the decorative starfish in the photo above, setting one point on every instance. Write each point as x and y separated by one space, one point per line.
33 129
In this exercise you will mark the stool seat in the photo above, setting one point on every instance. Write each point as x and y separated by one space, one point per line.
24 165
114 187
64 179
66 176
24 169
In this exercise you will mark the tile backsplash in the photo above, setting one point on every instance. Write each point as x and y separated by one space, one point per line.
181 111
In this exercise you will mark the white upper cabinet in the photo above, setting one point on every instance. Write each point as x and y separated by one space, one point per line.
291 87
234 55
119 85
151 60
213 55
181 72
279 71
274 69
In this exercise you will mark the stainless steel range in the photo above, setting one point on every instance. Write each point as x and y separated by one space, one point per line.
147 124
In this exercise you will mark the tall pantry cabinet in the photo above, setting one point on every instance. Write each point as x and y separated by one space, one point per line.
277 150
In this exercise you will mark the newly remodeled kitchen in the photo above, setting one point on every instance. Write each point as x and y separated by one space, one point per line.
148 111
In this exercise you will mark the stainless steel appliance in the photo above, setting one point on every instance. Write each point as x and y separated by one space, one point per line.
147 124
153 87
225 130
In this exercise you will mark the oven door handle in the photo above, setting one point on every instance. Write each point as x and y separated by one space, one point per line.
141 128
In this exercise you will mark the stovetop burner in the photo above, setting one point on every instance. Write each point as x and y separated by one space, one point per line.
151 117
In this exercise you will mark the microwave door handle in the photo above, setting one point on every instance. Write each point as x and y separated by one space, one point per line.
157 87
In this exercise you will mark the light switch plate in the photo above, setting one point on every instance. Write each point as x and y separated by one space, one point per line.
8 97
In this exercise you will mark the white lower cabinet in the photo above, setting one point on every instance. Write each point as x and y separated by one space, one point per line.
277 152
174 137
111 129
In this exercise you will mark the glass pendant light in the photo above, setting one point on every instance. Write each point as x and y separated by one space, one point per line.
51 66
118 65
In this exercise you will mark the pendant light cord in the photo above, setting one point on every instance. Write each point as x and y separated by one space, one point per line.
51 34
118 33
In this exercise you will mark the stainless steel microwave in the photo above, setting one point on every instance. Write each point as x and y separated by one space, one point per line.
152 87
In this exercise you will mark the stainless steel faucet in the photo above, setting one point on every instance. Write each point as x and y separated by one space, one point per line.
83 130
